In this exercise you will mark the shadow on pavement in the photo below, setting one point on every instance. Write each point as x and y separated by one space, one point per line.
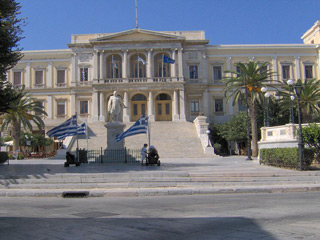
103 225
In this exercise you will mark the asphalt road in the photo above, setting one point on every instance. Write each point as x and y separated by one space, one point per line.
229 216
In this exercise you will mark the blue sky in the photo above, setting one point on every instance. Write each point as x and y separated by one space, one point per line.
50 23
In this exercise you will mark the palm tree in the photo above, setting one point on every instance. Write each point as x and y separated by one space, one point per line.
251 76
309 98
20 113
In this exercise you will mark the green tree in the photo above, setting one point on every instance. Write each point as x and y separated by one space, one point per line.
21 113
250 77
235 129
309 99
10 53
311 136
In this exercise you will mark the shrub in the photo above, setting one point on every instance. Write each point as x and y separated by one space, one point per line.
285 157
3 157
20 156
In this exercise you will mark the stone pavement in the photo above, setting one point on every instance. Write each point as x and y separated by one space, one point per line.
175 176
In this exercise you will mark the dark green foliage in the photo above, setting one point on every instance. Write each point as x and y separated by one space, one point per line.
311 137
3 157
10 35
285 157
218 142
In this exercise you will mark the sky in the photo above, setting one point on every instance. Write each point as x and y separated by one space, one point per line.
50 23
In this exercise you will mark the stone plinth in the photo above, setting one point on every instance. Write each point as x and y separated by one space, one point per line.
113 129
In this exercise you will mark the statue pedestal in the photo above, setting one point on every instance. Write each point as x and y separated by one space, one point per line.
113 129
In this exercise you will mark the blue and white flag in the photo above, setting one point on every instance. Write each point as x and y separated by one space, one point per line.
142 60
166 59
82 128
140 127
68 128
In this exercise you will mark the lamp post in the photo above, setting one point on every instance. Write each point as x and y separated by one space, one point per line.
290 83
208 133
298 90
248 121
266 96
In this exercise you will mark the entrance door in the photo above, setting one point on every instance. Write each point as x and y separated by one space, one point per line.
163 108
138 107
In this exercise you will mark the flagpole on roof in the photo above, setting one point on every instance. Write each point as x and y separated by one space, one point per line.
138 66
136 15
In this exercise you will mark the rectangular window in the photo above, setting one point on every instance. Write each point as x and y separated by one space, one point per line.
167 108
285 72
194 106
308 69
61 108
263 69
143 109
61 78
84 107
41 104
193 70
135 109
217 73
84 74
159 108
39 78
17 78
218 105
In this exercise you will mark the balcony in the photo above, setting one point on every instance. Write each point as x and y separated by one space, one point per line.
39 85
137 80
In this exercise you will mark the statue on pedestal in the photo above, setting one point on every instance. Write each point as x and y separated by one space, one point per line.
115 106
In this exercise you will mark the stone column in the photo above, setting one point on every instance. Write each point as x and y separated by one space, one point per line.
151 107
182 105
95 116
275 68
73 105
74 69
102 65
149 64
173 66
298 71
102 108
49 110
175 106
126 116
28 85
229 66
206 103
95 65
50 82
124 64
180 74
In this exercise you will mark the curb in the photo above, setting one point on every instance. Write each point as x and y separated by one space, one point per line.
159 191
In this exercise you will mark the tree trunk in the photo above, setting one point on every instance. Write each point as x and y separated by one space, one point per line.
16 131
254 128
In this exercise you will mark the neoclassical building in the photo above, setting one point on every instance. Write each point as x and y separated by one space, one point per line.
82 77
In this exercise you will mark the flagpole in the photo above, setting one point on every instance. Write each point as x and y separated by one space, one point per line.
138 66
149 135
136 15
77 138
87 137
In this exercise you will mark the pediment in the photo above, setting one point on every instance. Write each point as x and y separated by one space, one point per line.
137 35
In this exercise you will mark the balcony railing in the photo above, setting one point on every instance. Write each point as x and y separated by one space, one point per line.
61 85
39 86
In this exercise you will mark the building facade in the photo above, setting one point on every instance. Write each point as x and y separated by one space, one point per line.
83 77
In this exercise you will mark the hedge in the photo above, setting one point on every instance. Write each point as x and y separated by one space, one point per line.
3 157
286 157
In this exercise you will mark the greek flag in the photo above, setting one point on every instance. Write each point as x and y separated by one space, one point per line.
142 60
168 60
139 127
68 128
114 64
82 128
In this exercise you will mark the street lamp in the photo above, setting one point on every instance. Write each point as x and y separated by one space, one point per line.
208 133
290 83
266 96
298 90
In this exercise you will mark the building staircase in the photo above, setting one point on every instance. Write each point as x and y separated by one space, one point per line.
172 139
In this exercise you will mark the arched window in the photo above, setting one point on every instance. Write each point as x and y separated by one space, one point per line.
114 66
161 69
138 66
163 96
139 97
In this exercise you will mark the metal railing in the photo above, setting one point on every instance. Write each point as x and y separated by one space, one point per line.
114 156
